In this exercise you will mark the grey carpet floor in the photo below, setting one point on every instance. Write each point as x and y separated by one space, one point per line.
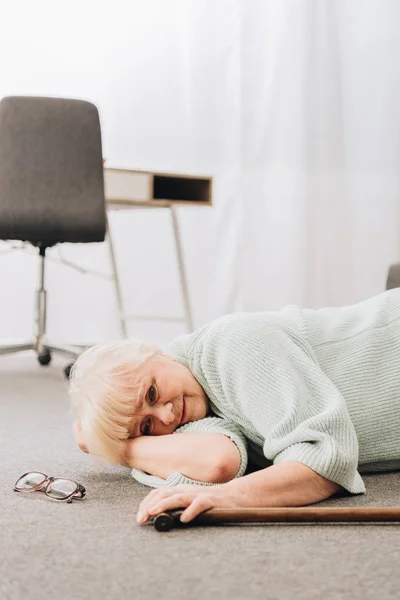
95 549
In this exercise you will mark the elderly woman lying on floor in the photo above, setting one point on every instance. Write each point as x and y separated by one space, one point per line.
311 398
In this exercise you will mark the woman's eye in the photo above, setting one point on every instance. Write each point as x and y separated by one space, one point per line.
151 394
146 428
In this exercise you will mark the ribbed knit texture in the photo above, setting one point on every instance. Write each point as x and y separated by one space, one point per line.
321 387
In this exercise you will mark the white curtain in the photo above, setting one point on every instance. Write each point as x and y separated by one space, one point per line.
293 107
313 215
320 150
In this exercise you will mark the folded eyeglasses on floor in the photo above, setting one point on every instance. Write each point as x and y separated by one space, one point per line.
56 488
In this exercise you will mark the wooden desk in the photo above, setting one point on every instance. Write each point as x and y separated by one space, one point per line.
130 189
124 187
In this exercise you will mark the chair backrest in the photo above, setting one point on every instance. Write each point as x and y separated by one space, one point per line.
393 277
51 171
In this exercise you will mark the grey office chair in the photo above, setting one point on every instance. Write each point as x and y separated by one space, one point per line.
393 276
51 188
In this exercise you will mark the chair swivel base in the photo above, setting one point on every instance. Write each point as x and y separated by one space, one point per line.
43 351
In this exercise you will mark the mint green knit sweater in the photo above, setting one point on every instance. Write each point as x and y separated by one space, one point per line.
321 387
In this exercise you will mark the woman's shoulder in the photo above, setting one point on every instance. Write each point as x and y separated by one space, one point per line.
182 347
242 323
230 330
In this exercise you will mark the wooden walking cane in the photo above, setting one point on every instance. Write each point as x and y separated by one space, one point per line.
171 519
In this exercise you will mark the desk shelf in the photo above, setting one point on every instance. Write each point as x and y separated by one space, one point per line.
128 187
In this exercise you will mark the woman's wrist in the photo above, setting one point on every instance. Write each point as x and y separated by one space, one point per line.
283 484
130 453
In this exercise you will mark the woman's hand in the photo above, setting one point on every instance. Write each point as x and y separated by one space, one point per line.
195 498
285 484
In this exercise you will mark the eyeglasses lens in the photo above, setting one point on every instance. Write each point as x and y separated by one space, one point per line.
60 489
30 480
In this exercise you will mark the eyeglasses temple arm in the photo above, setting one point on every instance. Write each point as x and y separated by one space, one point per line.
80 493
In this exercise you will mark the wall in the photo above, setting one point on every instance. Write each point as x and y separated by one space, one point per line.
291 106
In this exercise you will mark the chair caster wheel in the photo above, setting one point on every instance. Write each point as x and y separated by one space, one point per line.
67 371
44 358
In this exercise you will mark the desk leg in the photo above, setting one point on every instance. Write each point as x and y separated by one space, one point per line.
117 284
182 273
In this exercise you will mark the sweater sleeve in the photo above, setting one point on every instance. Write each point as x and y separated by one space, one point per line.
206 425
298 414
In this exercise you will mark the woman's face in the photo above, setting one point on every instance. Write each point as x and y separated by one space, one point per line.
168 397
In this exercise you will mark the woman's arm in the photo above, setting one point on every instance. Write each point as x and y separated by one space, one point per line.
211 450
208 457
285 484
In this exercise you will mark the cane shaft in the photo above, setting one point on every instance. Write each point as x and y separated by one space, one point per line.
303 514
300 515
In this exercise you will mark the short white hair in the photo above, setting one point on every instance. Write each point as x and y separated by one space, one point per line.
102 390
